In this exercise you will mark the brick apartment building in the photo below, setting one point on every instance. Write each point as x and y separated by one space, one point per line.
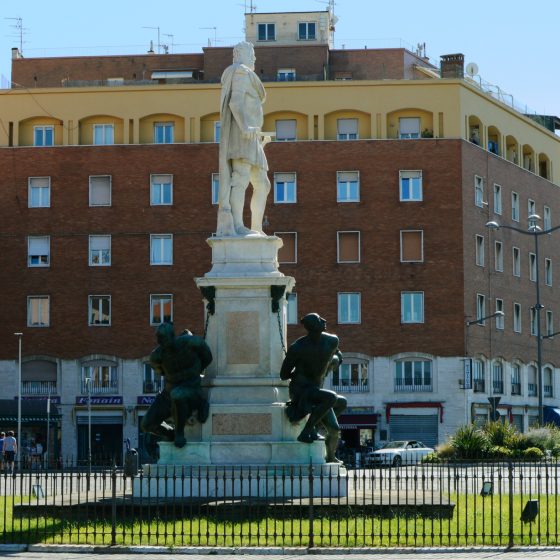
385 172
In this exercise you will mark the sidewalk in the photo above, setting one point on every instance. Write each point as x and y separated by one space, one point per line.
45 552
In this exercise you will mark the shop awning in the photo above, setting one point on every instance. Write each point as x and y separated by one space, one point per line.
32 411
551 415
353 421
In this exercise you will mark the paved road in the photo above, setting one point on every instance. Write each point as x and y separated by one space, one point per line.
87 553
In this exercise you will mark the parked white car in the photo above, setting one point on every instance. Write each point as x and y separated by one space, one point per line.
397 453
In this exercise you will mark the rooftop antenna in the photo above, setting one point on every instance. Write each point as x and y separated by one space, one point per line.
172 42
18 26
215 39
334 19
158 37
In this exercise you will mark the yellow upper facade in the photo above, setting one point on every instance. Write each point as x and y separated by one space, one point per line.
296 111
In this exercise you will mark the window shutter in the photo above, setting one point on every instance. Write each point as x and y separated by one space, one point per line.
284 178
38 245
347 126
411 245
161 179
348 176
288 252
40 181
348 246
409 125
100 242
285 129
100 190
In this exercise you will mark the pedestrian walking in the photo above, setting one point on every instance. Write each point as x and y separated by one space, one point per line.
10 449
2 436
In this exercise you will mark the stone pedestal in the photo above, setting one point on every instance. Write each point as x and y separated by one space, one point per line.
245 297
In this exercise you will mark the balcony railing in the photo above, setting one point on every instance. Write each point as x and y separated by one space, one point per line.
497 387
107 388
38 387
153 386
479 386
516 388
547 391
532 392
347 386
402 386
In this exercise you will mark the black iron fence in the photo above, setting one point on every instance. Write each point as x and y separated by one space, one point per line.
453 504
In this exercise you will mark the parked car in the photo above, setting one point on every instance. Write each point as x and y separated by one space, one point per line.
397 453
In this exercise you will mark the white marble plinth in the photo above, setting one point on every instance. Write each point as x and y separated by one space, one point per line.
250 255
270 481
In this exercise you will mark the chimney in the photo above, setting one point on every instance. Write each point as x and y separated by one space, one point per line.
452 65
16 53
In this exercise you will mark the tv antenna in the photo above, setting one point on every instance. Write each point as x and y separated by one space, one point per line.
18 26
158 37
252 7
215 39
171 42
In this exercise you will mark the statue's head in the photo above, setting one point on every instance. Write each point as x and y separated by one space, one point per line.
244 53
313 322
165 334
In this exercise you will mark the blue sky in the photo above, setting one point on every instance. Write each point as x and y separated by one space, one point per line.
514 44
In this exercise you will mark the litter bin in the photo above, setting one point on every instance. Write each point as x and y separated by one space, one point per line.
130 461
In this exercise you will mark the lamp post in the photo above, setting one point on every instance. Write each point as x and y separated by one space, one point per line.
18 453
482 319
535 231
88 389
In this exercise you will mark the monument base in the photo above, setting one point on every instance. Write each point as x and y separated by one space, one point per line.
249 482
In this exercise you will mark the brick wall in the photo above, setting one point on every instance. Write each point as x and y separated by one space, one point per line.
316 217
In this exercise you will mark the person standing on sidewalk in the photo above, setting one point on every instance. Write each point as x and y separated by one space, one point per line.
10 450
2 436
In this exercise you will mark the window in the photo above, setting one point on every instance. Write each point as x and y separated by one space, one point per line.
347 129
532 267
532 381
497 378
99 250
38 251
497 199
498 256
499 319
286 130
549 323
307 31
351 377
286 74
515 379
291 309
100 190
410 186
547 382
412 246
478 376
103 379
409 127
266 32
412 307
413 376
348 186
163 133
348 246
531 207
217 131
103 134
547 219
479 191
161 191
349 305
288 252
548 272
161 309
480 308
517 317
479 250
284 188
516 260
39 192
161 249
215 187
38 311
43 136
514 206
99 311
152 382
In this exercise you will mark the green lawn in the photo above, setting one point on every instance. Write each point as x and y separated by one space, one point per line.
476 521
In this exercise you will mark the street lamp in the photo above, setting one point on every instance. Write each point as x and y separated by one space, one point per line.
482 319
88 390
535 231
18 448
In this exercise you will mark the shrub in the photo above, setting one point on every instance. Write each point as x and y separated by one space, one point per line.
545 437
533 454
431 458
500 434
469 442
445 450
501 452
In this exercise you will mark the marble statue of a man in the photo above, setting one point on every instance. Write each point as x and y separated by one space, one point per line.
242 159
